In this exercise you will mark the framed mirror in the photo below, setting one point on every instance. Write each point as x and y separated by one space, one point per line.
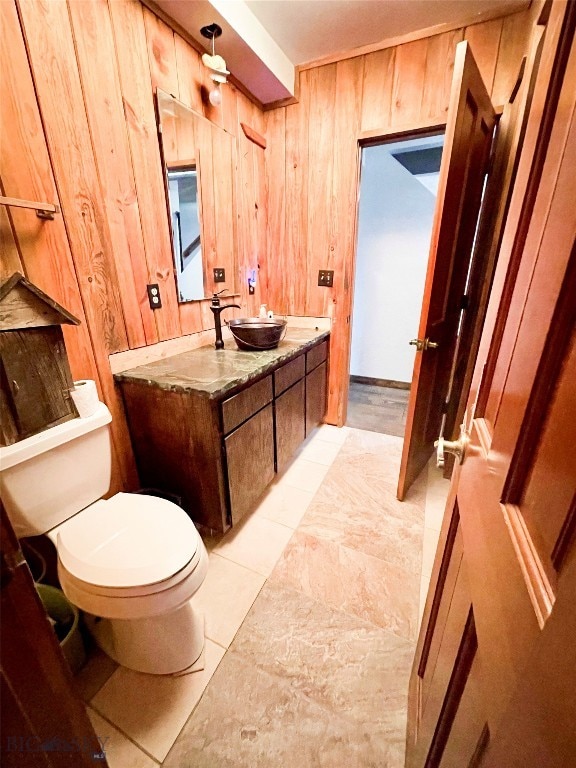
199 160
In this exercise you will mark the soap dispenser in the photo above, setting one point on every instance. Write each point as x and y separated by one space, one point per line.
263 310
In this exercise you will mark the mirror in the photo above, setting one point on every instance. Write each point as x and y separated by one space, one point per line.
186 240
199 168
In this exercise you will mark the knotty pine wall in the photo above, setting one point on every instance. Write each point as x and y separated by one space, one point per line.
78 128
313 159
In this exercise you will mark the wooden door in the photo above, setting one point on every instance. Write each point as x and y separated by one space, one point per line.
494 680
44 723
468 138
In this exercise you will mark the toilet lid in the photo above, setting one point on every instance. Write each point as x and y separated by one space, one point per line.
127 541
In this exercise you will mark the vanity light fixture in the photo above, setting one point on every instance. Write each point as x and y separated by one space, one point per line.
216 64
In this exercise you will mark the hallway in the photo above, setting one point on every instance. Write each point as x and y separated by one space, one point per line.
312 610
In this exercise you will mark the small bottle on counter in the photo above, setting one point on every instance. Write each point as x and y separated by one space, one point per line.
262 310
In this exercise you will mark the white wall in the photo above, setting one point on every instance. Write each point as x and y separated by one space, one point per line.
394 227
191 280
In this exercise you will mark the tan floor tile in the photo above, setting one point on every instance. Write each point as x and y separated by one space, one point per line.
434 511
250 718
331 434
334 658
353 582
151 709
371 530
356 506
120 751
319 451
284 504
306 475
429 550
256 544
226 597
437 485
98 668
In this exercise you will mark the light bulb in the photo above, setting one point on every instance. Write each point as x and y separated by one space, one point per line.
215 97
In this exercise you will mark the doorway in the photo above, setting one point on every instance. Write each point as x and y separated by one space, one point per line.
398 185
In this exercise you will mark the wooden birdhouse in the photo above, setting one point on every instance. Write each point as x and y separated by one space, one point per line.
35 377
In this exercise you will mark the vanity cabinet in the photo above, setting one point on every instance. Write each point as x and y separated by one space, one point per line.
219 451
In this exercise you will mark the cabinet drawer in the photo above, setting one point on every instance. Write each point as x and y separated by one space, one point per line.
288 374
237 409
316 355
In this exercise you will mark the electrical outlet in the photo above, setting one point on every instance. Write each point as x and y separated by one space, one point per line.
219 275
326 277
154 296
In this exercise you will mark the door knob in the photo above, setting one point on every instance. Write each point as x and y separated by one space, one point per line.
456 447
423 344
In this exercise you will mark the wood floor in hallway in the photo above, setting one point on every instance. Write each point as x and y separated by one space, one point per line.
377 409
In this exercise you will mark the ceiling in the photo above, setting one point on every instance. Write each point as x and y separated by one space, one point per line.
263 40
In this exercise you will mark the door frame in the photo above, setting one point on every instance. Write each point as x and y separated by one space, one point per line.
369 139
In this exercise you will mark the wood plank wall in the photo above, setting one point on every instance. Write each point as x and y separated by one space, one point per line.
78 128
313 159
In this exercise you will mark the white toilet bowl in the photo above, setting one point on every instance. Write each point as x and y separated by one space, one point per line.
133 563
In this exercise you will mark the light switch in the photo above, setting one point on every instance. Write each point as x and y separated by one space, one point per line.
326 277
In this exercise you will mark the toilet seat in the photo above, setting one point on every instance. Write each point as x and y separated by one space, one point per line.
167 562
126 604
128 541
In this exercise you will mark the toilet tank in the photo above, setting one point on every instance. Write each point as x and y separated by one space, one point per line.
49 477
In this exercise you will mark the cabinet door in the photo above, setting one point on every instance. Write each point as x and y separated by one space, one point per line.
250 459
290 423
315 397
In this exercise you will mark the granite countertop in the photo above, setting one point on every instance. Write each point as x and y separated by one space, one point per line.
214 373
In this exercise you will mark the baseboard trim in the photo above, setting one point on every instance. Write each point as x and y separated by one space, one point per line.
380 382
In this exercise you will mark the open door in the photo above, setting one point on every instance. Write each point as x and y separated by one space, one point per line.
44 722
494 678
468 139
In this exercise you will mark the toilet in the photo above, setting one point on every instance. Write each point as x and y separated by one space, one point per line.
132 562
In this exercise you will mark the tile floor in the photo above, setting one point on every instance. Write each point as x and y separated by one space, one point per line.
312 608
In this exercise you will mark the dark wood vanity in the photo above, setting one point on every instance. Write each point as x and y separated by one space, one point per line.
213 427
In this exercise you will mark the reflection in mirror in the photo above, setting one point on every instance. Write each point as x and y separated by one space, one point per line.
183 199
199 162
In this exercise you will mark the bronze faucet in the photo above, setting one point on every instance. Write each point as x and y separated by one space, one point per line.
218 308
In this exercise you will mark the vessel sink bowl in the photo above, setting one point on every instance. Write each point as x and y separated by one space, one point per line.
255 333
